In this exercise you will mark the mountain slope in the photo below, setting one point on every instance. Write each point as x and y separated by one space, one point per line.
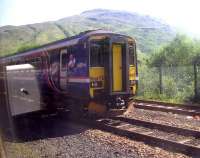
149 32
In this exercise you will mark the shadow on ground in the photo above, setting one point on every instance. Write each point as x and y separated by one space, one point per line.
34 128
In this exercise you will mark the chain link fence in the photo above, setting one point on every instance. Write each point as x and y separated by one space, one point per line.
174 84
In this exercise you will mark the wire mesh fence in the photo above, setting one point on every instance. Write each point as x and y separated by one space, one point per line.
172 83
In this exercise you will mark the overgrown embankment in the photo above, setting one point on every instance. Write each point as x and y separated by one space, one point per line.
171 74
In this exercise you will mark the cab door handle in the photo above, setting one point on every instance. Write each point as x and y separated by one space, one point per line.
23 90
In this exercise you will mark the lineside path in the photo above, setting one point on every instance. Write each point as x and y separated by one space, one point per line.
182 109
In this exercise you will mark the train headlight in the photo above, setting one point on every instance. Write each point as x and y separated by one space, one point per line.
96 84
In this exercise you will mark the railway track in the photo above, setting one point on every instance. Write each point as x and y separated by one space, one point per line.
168 137
189 110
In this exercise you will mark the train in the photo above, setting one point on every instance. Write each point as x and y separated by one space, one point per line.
95 70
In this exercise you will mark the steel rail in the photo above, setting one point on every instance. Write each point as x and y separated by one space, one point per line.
157 106
187 106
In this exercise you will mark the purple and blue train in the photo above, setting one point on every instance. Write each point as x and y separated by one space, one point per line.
92 71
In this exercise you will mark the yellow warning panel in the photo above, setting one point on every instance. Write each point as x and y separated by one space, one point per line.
132 73
117 67
132 77
96 74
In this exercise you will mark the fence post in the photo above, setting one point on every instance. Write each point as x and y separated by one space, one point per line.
195 81
160 80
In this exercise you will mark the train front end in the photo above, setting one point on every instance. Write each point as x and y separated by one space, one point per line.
112 71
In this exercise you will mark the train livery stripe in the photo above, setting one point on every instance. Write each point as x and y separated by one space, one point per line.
71 80
19 67
24 78
78 80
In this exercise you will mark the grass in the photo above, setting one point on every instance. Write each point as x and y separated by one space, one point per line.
176 99
21 150
2 152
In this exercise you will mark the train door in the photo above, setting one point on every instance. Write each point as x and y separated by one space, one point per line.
117 67
63 69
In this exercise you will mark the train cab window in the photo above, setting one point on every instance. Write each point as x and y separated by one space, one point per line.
98 52
131 54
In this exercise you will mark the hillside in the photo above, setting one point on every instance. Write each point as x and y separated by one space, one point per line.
149 32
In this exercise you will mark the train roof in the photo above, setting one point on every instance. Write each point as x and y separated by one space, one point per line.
63 42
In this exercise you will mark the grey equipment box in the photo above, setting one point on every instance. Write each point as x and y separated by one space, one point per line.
19 94
23 89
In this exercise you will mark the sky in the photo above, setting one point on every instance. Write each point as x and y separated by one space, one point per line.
182 14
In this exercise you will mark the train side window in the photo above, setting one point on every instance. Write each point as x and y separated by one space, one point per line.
63 59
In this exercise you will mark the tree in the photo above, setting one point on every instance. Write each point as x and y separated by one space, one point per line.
180 51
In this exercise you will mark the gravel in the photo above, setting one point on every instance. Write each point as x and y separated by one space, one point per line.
140 148
63 140
90 143
70 145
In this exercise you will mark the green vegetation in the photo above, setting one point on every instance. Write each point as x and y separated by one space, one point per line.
2 152
26 47
168 74
181 51
21 150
